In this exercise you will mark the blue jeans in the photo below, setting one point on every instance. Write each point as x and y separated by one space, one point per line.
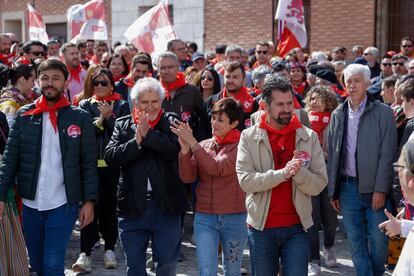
47 235
290 244
369 247
231 230
165 233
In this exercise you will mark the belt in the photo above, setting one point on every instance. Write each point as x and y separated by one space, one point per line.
347 178
148 195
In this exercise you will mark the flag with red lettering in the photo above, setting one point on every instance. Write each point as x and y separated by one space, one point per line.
152 30
292 30
87 21
37 29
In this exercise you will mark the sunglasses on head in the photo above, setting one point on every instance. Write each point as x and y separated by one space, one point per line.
103 83
261 52
398 63
207 78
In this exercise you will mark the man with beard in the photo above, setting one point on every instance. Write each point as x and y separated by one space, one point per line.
70 56
280 165
5 45
141 67
234 86
54 157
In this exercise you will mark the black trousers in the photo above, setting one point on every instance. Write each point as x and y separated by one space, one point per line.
322 214
105 221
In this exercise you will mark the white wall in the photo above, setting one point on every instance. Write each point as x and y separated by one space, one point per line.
188 18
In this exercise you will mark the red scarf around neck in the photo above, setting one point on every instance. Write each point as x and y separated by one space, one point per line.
109 98
119 77
95 60
293 125
243 97
129 82
170 87
41 106
300 89
135 116
75 72
232 137
319 121
7 59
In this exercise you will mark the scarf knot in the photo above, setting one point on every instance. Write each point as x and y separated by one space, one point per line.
170 87
243 97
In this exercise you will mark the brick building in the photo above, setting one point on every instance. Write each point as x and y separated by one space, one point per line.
329 23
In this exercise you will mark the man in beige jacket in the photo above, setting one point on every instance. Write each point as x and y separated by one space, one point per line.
280 165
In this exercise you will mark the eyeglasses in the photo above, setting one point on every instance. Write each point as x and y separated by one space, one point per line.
103 83
167 68
386 64
38 54
397 167
398 63
207 78
261 52
407 46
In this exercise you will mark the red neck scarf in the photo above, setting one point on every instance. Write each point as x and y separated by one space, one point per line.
95 60
256 91
300 89
319 121
135 116
178 83
232 137
41 106
109 98
243 97
129 82
341 92
7 59
119 77
75 72
293 125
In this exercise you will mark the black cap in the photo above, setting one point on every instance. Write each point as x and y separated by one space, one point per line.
327 75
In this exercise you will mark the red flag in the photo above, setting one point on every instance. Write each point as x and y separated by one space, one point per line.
37 29
87 21
292 30
152 30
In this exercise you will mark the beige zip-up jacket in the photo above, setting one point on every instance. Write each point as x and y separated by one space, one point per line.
257 176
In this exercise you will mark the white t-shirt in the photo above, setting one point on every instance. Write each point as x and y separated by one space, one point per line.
405 265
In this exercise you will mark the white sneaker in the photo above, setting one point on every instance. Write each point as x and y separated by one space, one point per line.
330 259
314 269
109 259
83 264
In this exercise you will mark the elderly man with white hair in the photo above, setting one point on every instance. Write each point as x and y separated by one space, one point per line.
371 55
150 196
362 146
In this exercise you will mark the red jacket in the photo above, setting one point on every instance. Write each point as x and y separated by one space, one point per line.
219 191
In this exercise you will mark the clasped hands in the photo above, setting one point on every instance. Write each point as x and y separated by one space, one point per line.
106 112
293 166
184 134
142 127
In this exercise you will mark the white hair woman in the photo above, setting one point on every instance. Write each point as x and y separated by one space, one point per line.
151 196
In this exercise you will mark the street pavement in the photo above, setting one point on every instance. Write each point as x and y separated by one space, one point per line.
189 265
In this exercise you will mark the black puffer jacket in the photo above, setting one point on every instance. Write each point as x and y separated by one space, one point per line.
155 160
78 147
103 135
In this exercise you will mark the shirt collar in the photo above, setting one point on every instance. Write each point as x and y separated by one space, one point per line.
360 107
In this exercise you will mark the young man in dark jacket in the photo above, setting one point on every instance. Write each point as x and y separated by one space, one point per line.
54 157
150 196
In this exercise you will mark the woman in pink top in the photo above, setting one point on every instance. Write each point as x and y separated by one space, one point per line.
220 211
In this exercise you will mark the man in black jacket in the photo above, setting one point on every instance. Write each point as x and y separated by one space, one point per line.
150 196
54 157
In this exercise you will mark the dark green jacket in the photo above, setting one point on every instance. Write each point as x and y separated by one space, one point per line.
22 157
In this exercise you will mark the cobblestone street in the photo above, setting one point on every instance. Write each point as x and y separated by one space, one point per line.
189 265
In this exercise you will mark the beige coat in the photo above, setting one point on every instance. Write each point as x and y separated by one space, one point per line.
257 176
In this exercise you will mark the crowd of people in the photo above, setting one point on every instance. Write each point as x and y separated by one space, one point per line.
265 150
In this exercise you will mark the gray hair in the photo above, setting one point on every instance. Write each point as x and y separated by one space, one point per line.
339 62
144 85
259 73
119 48
318 56
353 69
233 48
168 54
372 50
356 47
